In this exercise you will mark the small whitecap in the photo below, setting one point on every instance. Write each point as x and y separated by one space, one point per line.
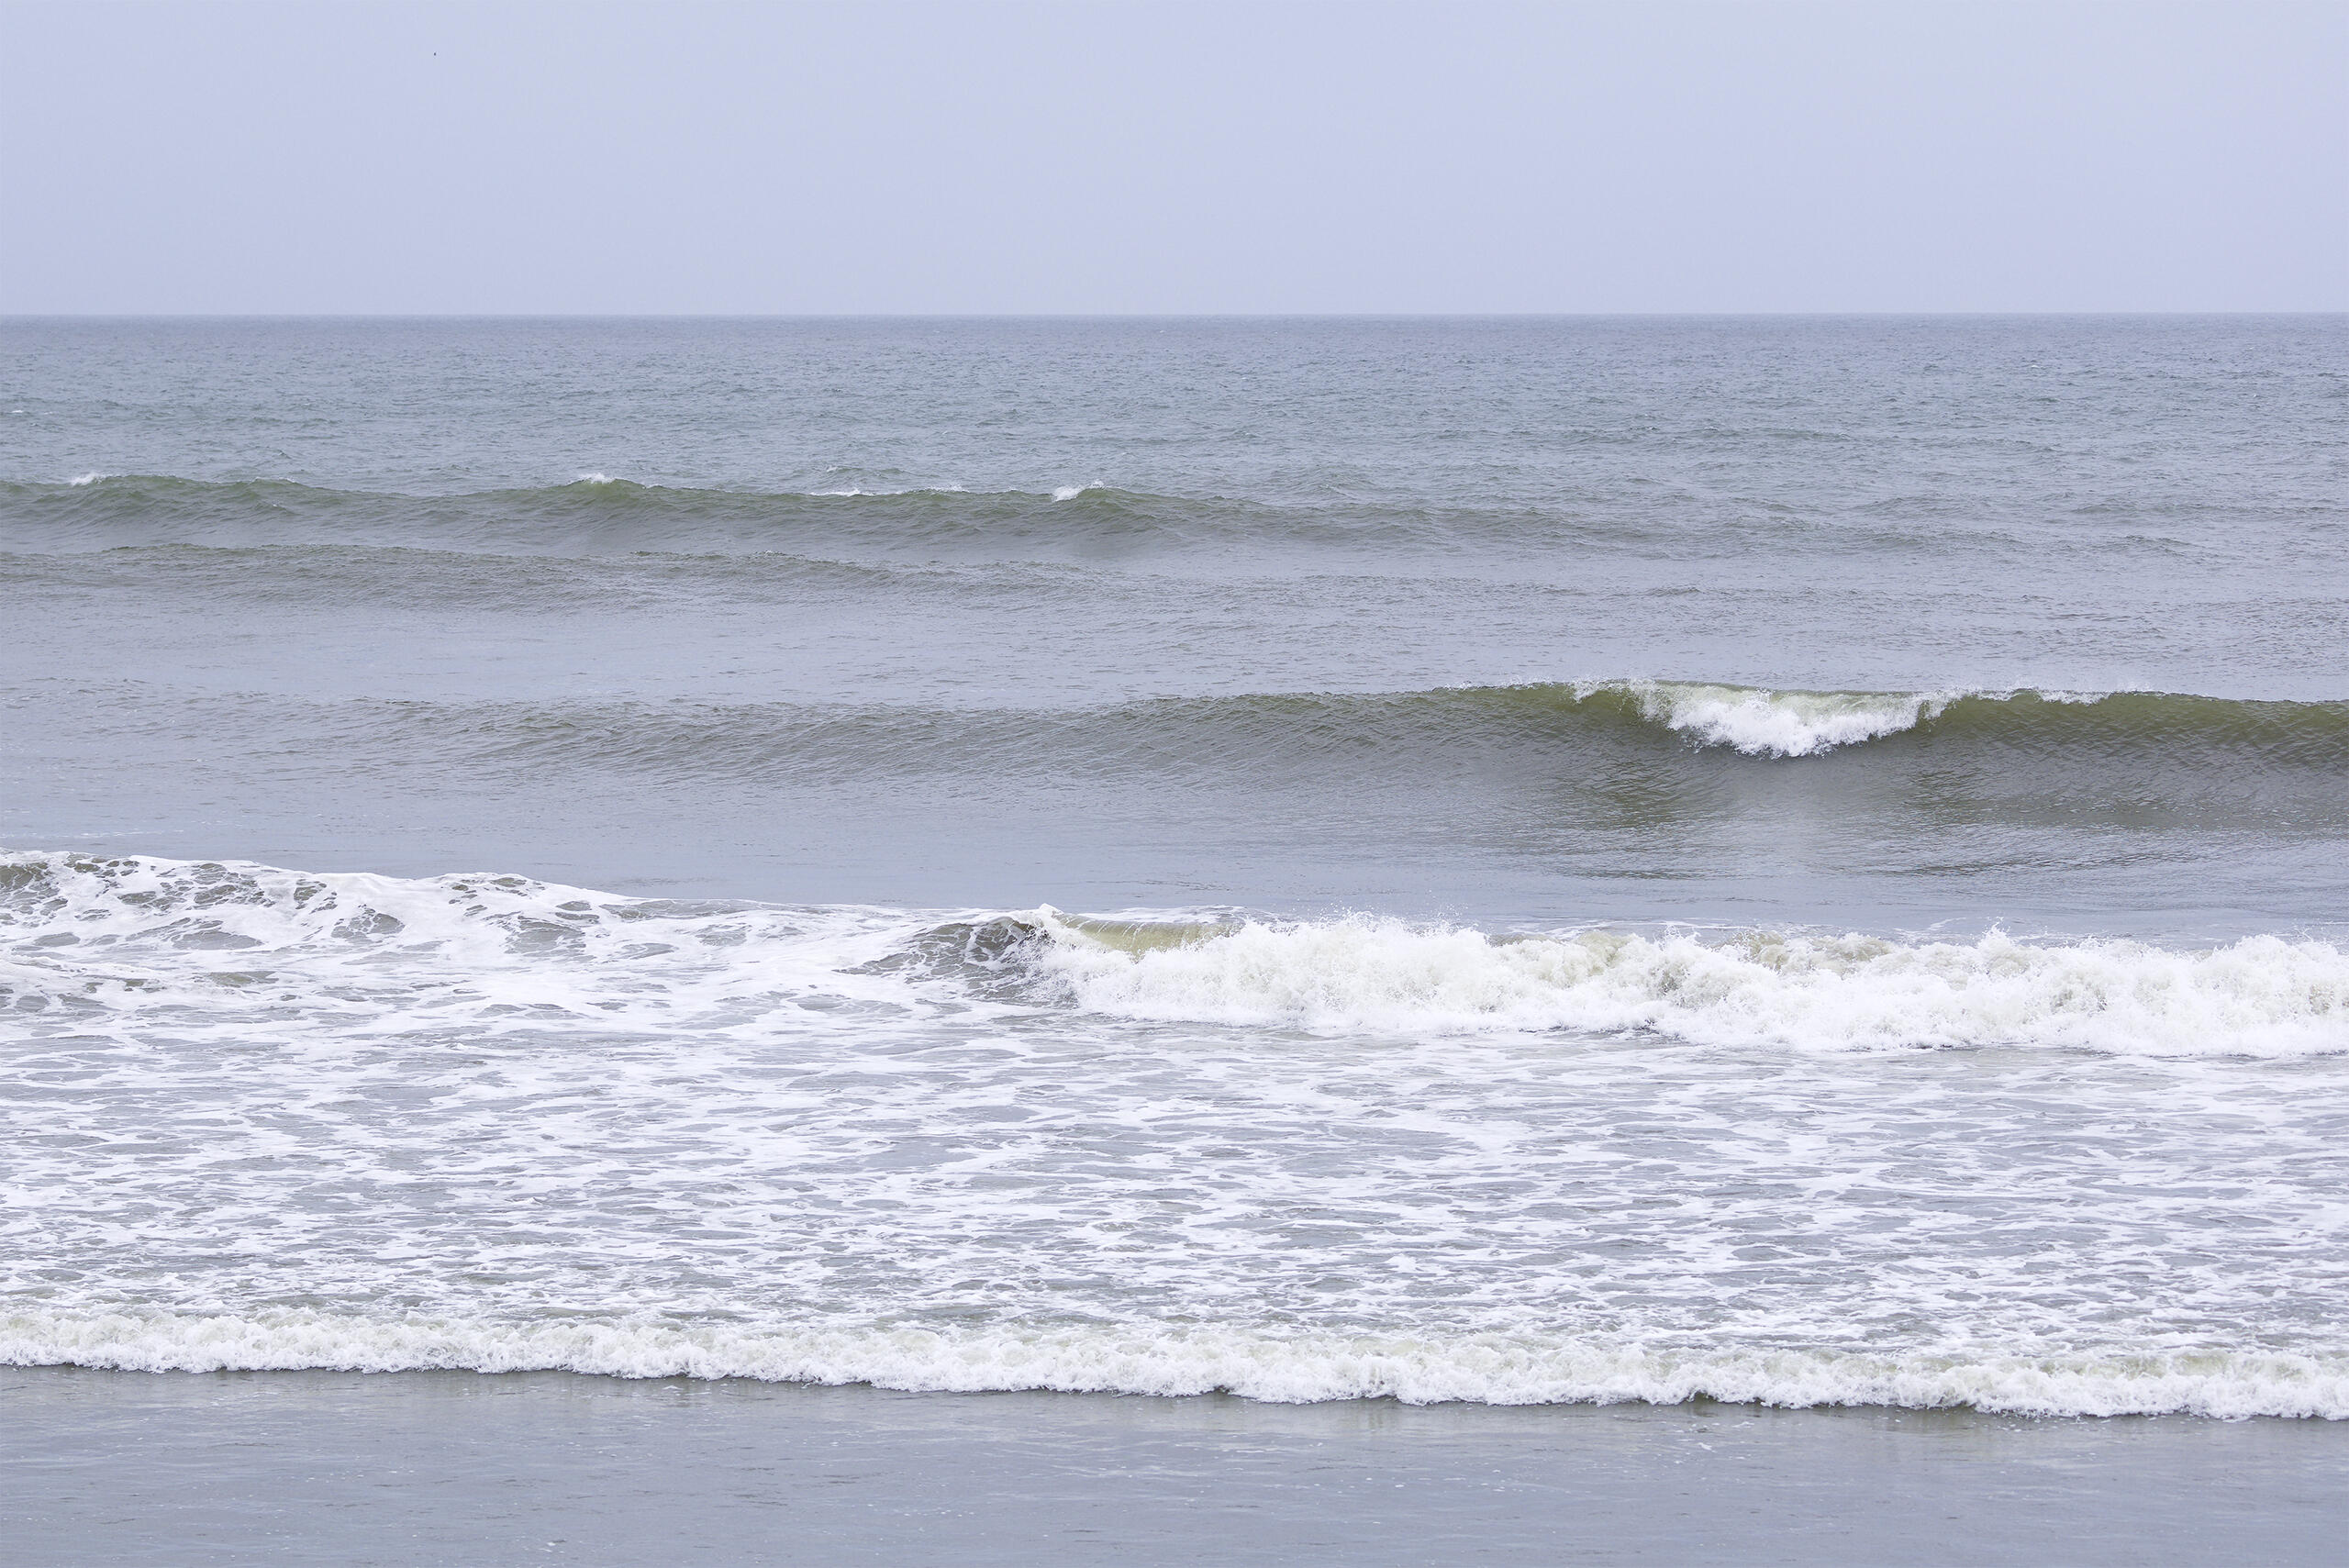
1784 724
87 479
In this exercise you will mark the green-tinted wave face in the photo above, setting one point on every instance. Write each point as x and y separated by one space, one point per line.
1799 724
1731 735
1649 795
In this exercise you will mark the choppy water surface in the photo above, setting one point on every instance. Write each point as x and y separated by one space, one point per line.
1799 861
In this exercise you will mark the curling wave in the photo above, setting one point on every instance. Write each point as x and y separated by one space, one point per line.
2143 747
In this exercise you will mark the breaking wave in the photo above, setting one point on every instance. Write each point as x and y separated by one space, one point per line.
597 513
2210 760
1297 1367
1766 723
133 935
484 1122
2260 996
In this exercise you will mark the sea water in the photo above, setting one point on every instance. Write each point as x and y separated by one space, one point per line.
1491 860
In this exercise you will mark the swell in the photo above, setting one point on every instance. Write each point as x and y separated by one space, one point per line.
595 514
1553 728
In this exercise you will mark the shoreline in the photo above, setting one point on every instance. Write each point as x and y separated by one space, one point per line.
130 1467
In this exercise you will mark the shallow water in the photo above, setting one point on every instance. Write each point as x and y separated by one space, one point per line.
430 1467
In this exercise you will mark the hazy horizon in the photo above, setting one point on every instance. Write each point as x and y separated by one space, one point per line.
1205 159
1100 315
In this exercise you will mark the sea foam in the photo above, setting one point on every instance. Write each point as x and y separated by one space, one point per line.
1165 1358
136 934
2261 995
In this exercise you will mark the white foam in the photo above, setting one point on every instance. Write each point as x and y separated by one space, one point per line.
1782 724
264 1118
81 479
145 934
595 479
1151 1358
1071 491
2261 995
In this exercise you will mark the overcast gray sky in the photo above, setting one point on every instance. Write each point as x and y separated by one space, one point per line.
1178 157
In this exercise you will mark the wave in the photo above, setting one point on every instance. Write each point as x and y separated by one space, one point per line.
134 935
1763 722
1766 723
798 1109
2260 996
597 513
1145 1358
1554 731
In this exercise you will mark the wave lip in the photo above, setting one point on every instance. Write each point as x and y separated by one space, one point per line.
2262 995
1761 722
1304 1366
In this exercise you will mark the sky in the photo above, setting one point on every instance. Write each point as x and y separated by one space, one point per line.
1179 158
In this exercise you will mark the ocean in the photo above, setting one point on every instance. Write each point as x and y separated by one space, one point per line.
1468 862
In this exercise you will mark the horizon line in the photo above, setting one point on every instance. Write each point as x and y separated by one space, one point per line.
1115 315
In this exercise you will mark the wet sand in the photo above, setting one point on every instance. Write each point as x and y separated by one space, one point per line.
459 1468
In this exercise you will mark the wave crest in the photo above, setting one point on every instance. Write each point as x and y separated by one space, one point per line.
131 934
2261 995
1766 723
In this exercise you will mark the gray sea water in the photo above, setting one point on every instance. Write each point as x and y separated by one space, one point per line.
1488 861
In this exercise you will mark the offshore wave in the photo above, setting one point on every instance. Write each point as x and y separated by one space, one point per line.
1287 1367
1761 722
117 939
597 513
600 513
1551 729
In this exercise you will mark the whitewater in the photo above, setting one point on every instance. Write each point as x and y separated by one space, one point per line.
345 1120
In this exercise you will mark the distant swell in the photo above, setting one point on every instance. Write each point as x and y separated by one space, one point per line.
603 514
1292 1367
